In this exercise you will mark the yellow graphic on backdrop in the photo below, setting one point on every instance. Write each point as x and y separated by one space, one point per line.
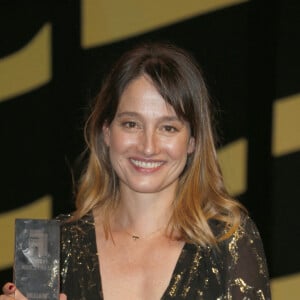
106 21
233 161
286 287
286 125
28 68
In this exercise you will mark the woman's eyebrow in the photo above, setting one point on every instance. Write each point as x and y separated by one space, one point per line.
135 114
127 114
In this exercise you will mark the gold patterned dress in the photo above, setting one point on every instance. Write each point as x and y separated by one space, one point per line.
235 270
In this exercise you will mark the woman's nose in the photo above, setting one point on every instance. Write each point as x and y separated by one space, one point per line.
149 143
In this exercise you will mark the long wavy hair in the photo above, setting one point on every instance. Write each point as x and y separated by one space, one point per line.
201 195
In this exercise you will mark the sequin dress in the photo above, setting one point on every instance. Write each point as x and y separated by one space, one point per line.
235 271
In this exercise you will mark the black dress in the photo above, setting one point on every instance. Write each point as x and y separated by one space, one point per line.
235 270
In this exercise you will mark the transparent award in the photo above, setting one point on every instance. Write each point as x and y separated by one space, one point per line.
37 252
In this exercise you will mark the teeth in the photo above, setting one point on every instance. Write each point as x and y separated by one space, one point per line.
144 164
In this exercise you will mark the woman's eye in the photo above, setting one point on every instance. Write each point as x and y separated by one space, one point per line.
169 128
129 124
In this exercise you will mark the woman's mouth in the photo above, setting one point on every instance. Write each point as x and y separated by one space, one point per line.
146 164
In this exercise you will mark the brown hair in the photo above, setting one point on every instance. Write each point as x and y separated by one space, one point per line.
201 192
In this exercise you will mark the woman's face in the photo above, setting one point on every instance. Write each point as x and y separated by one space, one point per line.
148 144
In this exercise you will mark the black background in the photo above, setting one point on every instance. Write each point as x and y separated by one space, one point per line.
250 57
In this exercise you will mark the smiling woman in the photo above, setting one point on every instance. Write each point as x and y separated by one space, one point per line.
153 218
148 143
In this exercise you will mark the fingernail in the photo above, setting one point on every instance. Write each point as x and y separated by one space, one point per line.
10 287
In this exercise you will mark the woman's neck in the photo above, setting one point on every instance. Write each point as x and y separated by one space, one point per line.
143 214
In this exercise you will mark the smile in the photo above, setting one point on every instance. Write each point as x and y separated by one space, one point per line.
146 164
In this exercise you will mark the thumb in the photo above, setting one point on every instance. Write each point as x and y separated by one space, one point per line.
9 289
62 297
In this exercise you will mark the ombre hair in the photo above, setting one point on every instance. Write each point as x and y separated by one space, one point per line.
201 195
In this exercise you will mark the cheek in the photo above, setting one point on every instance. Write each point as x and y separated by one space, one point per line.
119 142
177 149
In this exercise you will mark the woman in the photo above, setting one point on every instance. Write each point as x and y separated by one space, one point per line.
153 218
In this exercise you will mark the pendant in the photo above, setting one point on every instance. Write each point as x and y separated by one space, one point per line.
135 237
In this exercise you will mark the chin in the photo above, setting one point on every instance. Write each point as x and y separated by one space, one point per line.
149 189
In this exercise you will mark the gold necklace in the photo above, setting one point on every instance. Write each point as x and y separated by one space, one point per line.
136 237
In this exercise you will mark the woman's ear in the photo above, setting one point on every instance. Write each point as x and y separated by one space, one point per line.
106 134
191 145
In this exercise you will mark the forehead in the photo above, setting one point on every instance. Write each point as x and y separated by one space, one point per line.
141 96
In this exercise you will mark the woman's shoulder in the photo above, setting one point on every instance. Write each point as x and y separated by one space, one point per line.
243 245
244 263
247 231
74 225
63 218
76 233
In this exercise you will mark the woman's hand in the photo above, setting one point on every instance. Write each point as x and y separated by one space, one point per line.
10 292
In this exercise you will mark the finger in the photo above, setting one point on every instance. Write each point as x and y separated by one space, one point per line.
19 295
62 297
9 289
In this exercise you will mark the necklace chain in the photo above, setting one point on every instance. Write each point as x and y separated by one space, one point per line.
136 237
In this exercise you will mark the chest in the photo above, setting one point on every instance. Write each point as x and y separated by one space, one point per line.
92 270
137 269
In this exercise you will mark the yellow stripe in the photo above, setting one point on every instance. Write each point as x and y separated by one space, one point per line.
286 287
105 21
28 68
286 126
233 161
39 209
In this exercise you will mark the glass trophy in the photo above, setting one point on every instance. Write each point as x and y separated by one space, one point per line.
37 254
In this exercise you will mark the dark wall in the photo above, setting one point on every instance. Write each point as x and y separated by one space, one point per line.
250 57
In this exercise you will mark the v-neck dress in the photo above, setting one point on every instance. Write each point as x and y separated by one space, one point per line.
234 270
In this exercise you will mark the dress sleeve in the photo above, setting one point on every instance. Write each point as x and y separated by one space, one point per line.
246 269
